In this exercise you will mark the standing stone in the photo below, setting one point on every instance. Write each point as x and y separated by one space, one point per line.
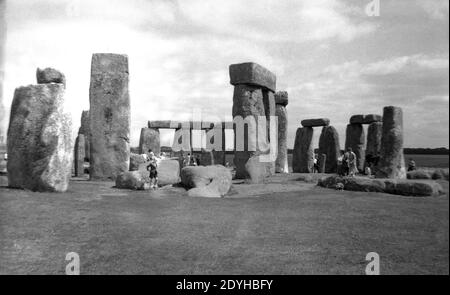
281 163
253 98
270 111
247 102
109 116
149 139
329 145
218 151
84 129
206 158
79 155
355 138
40 145
322 163
392 162
303 156
374 132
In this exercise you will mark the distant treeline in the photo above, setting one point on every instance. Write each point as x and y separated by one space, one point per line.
407 151
427 151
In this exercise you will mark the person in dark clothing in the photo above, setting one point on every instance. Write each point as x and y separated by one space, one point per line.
411 165
151 167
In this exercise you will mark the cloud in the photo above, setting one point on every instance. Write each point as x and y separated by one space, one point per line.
269 21
417 83
436 9
331 57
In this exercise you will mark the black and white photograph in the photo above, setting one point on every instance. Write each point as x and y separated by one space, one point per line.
210 140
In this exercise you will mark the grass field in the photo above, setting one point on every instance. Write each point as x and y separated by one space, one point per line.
308 230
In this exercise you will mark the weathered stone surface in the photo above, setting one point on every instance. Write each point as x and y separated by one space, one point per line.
391 186
315 122
135 161
168 172
258 169
322 161
40 146
329 145
210 181
281 98
392 162
365 119
84 126
109 116
149 139
206 158
303 155
252 74
134 180
374 132
372 118
281 163
248 105
427 173
49 75
270 111
79 155
84 129
418 174
356 139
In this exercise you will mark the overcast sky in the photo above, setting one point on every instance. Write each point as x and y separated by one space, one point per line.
332 58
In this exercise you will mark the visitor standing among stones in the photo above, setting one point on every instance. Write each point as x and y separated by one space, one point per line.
152 168
411 165
350 162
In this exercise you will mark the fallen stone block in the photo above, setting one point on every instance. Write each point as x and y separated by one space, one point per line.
419 188
206 181
134 180
168 172
135 161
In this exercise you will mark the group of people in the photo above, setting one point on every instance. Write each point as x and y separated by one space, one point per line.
191 160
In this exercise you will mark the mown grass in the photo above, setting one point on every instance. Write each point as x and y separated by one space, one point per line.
313 231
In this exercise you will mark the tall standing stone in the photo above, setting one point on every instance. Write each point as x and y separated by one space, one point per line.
40 146
253 99
79 155
356 139
374 132
329 145
322 162
84 129
2 70
303 155
392 162
149 139
281 163
109 116
248 104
